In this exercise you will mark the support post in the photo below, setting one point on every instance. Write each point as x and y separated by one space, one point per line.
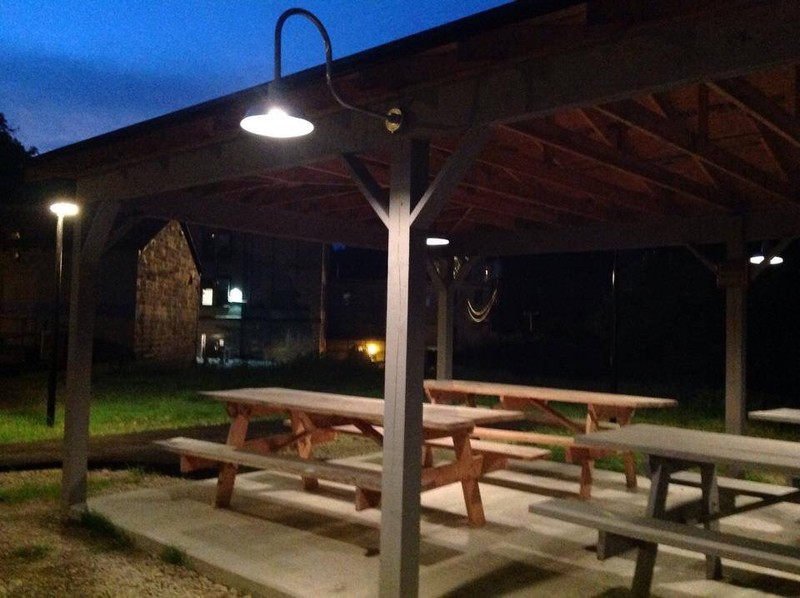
403 393
442 272
85 260
445 306
734 278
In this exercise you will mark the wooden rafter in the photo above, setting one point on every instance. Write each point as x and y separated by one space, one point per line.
750 99
635 115
575 144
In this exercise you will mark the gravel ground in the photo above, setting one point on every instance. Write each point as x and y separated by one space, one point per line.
41 556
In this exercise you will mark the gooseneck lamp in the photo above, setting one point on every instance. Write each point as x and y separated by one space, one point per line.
275 118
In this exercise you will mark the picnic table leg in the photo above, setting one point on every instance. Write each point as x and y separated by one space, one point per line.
622 416
427 456
710 507
469 479
227 471
660 471
301 427
450 397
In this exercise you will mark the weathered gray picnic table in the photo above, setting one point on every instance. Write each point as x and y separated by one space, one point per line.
670 451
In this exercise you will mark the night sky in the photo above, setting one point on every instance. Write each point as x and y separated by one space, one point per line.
74 69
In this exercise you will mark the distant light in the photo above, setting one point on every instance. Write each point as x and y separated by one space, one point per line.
235 295
774 261
436 241
64 208
372 349
275 122
207 297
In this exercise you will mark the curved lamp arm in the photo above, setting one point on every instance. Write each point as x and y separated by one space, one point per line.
393 118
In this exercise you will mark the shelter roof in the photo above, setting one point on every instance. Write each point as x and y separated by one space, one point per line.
579 126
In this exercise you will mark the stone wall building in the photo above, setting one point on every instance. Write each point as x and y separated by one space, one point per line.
167 299
148 298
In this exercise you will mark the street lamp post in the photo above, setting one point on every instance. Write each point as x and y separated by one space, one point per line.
61 209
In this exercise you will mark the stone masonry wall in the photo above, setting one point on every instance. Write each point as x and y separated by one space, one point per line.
167 300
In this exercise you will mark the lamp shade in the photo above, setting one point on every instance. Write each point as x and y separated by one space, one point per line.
64 208
271 120
274 116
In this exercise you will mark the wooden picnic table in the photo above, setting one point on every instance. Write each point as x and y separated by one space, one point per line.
603 410
317 417
671 451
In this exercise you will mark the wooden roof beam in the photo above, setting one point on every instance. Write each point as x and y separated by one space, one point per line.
578 145
750 99
569 179
375 194
664 232
449 176
640 118
257 219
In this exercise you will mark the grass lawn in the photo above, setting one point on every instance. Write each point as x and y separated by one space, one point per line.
136 399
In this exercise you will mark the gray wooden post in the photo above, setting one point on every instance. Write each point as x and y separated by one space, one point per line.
445 330
735 278
79 358
440 271
445 274
405 345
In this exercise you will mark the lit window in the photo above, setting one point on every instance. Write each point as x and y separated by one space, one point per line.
208 296
235 295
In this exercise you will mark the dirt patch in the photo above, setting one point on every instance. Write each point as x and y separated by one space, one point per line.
42 556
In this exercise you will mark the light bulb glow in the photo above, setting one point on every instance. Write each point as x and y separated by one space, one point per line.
759 259
277 123
64 208
436 241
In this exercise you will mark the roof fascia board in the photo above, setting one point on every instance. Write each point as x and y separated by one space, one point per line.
643 59
605 237
259 220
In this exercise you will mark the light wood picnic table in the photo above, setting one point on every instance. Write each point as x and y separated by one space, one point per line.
316 416
602 410
783 415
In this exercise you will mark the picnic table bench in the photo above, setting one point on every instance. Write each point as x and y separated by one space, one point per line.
317 417
541 404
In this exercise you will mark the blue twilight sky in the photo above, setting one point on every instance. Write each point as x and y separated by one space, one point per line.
73 69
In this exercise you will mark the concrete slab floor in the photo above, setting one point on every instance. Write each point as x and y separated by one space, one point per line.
278 540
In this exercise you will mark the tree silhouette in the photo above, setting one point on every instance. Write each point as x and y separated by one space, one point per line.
13 158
